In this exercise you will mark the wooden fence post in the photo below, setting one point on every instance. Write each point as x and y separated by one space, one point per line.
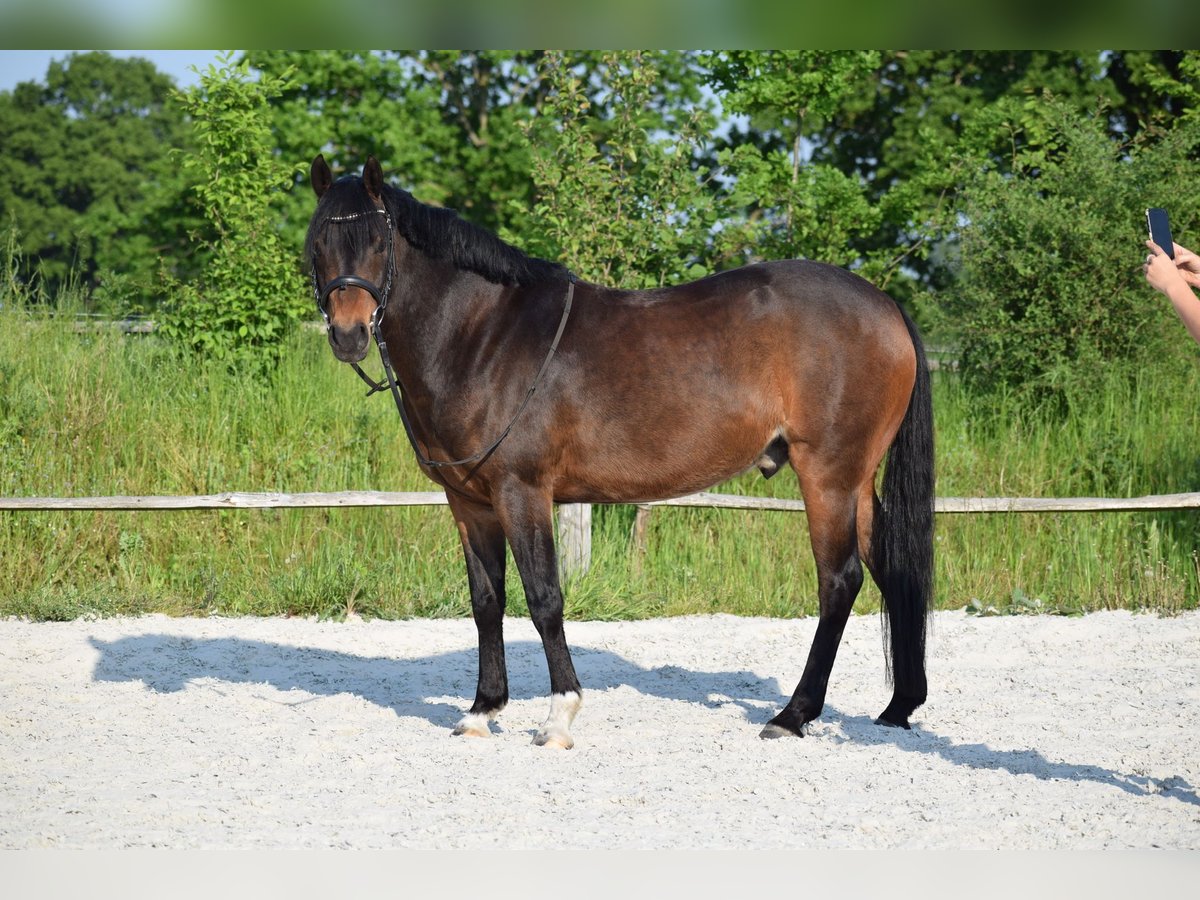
574 539
641 522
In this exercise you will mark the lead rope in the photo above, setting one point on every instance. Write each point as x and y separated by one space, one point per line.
394 385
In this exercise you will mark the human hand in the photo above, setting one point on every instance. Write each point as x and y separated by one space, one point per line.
1163 273
1188 264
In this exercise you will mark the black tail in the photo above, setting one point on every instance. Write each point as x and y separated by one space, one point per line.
902 543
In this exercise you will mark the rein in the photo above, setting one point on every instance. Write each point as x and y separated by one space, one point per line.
393 383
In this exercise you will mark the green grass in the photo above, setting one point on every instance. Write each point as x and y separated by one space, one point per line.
97 414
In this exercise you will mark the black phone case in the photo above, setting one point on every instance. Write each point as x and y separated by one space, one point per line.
1160 230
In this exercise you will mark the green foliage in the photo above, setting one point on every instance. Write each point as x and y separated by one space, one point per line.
450 126
794 202
813 212
794 208
620 202
251 291
85 175
417 114
904 134
1180 88
781 89
1050 291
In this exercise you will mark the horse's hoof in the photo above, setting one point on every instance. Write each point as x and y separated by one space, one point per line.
771 731
473 725
899 709
556 739
555 730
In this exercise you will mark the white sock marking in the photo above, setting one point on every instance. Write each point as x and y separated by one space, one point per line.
557 728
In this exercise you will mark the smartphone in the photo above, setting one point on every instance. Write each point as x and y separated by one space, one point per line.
1160 230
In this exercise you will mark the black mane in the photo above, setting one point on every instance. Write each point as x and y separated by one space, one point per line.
437 232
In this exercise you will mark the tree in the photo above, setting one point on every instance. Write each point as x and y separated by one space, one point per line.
870 150
445 124
795 203
906 133
251 290
86 178
620 201
1049 290
1178 86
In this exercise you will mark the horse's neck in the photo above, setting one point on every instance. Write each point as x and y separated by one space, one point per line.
435 308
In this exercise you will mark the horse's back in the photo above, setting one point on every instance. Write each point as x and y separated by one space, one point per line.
807 292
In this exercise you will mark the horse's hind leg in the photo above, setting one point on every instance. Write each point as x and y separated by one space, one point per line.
527 517
483 545
832 512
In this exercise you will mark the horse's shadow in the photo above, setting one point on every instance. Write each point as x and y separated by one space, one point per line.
862 730
408 687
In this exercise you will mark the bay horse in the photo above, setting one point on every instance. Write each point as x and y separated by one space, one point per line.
521 387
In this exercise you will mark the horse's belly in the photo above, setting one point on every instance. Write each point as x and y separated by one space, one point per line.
641 470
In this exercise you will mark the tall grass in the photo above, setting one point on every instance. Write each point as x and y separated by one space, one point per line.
97 413
1133 434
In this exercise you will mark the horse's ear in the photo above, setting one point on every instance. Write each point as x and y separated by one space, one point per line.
373 178
320 176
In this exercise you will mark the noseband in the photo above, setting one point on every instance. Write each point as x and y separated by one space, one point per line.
381 297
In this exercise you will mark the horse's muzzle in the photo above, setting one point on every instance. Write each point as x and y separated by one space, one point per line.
350 344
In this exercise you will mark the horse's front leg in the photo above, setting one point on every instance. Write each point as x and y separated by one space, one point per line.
527 517
483 545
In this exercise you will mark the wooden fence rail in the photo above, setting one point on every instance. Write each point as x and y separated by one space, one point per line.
574 527
346 499
231 500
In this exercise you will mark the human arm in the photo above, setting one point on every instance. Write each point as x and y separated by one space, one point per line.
1175 279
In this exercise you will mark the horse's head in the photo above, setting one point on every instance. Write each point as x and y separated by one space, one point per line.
350 249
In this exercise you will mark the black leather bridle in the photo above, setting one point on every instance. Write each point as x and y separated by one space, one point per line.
344 281
381 298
